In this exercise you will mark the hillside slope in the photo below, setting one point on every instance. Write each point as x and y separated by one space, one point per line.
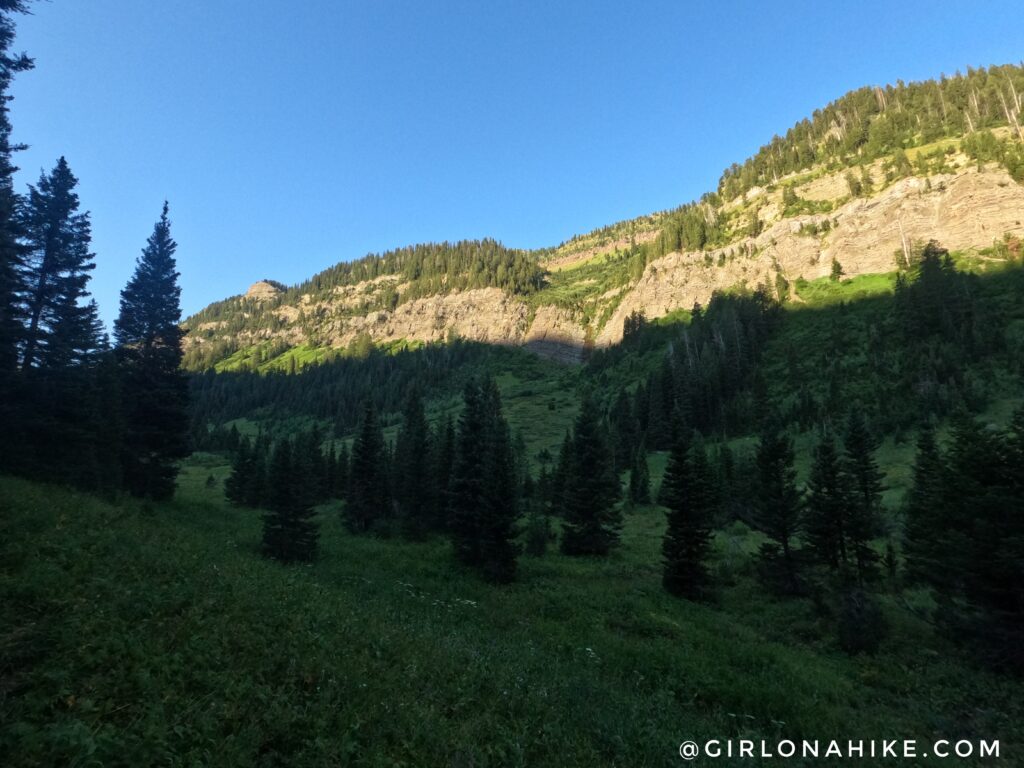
378 655
874 173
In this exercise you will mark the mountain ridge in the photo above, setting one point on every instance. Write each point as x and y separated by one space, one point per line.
866 186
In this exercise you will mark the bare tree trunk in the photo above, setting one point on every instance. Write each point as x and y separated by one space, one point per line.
903 240
1011 114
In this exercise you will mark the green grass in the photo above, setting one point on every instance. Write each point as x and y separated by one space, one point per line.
138 635
823 292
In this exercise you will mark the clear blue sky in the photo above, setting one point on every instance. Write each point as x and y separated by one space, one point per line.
292 135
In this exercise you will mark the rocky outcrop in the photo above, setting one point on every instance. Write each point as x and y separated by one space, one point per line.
486 314
965 210
557 334
264 290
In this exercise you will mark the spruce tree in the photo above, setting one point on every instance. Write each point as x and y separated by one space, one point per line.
925 542
538 528
828 506
237 488
688 492
483 486
63 337
591 490
289 530
443 463
366 506
12 250
866 499
640 476
62 328
154 387
467 482
500 510
623 428
778 507
413 484
342 467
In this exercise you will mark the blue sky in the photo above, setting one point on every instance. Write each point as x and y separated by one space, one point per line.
290 136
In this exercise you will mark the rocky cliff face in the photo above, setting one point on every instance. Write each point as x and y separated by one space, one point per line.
966 208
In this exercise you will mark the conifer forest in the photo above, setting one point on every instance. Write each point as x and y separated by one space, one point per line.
749 468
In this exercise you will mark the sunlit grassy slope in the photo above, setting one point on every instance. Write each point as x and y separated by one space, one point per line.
136 635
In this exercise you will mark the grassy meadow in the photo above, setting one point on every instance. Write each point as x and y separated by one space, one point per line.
145 635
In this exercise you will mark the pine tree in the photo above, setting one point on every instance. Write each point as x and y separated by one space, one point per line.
866 498
925 538
483 486
366 507
498 515
63 337
155 389
467 483
623 429
443 462
62 328
559 477
591 493
342 466
289 530
828 506
778 507
538 528
237 487
12 251
414 493
640 476
688 494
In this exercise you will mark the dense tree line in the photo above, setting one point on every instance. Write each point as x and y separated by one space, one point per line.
75 410
927 352
336 391
964 534
707 379
461 481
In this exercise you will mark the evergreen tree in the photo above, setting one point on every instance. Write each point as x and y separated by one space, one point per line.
498 515
289 530
925 535
366 507
342 472
828 506
591 492
444 461
414 493
970 547
468 480
866 499
688 492
640 476
244 468
62 328
484 486
538 528
12 250
154 388
63 338
623 428
778 507
559 477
